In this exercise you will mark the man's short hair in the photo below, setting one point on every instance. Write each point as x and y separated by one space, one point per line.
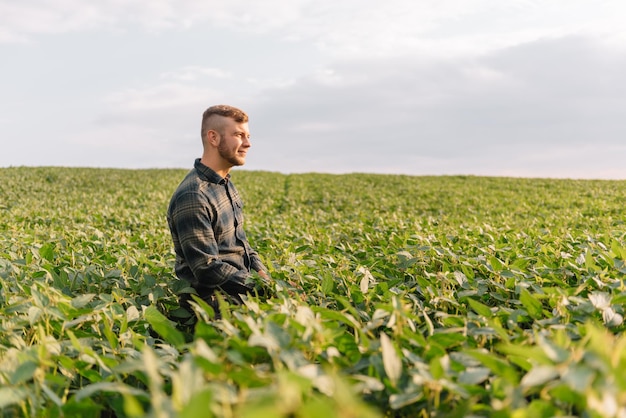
237 115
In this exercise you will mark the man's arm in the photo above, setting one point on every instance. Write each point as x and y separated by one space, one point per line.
255 261
198 244
256 264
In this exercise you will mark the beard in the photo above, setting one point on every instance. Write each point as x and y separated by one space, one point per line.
230 155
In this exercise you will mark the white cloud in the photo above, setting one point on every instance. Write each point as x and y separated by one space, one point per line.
128 104
194 72
20 20
488 114
346 28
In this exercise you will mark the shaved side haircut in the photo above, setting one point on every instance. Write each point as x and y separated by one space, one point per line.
210 122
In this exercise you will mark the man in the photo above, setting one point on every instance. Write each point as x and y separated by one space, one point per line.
205 214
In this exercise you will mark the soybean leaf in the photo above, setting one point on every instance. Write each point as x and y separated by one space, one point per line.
480 308
531 303
164 327
391 360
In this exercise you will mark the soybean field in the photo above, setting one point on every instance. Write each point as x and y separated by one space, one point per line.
392 296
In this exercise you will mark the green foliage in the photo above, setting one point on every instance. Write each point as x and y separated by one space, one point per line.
393 296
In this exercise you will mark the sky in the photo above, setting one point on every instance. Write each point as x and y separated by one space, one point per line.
516 88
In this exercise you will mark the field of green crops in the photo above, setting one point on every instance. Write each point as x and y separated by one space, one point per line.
393 296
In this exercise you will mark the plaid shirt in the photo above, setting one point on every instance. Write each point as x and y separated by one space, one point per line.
205 218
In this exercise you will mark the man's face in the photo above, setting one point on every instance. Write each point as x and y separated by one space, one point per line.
234 142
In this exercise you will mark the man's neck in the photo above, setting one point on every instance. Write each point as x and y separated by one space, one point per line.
221 170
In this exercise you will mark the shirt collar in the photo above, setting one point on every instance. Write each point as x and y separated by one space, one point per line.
210 175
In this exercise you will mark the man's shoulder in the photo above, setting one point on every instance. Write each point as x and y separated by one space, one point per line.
187 199
196 186
192 184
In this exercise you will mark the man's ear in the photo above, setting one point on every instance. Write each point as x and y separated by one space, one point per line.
212 137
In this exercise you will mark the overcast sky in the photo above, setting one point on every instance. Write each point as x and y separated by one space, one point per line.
484 87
